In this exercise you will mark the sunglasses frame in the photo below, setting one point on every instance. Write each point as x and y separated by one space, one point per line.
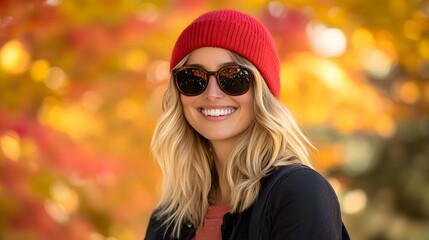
213 73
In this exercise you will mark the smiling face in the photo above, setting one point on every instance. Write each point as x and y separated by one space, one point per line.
214 114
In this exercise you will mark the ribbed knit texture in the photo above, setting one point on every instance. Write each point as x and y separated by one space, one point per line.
213 219
237 32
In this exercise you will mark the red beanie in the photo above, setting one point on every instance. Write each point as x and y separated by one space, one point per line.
237 32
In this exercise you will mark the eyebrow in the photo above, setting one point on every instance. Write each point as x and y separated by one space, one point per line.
219 66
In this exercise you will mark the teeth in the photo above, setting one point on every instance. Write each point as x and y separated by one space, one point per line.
217 112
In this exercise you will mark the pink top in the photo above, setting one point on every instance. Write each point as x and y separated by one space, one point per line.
212 223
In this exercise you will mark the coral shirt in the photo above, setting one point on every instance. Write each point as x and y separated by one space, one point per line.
212 223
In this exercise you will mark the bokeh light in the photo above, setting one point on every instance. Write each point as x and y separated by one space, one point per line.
39 70
327 42
377 63
14 57
56 79
354 201
10 145
135 60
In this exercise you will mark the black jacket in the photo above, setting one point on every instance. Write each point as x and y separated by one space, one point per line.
295 202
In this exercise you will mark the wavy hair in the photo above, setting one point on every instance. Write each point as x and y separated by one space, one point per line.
189 175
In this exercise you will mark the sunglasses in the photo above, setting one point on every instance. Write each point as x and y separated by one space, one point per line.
234 80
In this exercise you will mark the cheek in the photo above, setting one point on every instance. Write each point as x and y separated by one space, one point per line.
187 103
185 100
246 101
250 111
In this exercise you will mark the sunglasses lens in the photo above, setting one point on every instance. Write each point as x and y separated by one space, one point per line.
235 80
191 81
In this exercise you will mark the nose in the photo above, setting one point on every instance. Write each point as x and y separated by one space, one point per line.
213 91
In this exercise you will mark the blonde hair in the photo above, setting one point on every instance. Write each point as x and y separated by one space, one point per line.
185 159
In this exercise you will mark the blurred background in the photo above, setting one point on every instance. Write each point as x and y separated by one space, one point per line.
80 90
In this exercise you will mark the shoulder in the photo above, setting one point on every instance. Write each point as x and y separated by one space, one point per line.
300 177
157 229
296 202
301 185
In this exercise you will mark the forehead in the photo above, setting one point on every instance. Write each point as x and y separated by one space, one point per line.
209 57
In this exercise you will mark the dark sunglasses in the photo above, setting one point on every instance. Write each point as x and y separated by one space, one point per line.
232 79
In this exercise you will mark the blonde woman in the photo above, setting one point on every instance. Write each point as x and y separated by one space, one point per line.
224 136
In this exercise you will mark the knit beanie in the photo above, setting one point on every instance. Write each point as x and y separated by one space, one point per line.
237 32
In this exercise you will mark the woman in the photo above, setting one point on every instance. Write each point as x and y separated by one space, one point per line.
224 135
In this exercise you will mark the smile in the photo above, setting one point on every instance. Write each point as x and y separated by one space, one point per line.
217 112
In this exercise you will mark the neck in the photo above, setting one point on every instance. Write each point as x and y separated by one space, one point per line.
221 151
